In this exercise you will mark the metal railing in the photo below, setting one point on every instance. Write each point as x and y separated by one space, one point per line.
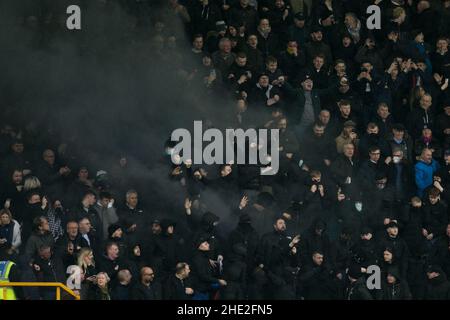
58 286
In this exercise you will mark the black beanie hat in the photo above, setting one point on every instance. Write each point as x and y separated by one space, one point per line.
113 228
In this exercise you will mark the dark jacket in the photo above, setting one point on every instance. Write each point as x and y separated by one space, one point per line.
121 292
317 282
36 241
396 291
438 288
175 288
436 218
297 103
290 64
268 46
400 251
61 248
357 291
111 267
143 292
202 272
245 234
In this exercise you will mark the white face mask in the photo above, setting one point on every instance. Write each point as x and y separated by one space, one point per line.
396 159
358 206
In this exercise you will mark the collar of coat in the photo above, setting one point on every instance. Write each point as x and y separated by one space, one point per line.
269 87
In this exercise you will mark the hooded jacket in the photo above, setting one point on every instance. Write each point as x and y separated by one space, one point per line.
438 288
205 228
357 291
396 291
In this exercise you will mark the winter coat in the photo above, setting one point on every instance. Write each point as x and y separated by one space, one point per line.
396 291
203 273
438 288
424 175
316 283
436 218
143 292
175 288
358 291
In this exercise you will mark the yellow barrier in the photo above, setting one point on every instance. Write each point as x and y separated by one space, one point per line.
57 285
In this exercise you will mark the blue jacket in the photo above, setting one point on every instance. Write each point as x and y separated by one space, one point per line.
424 175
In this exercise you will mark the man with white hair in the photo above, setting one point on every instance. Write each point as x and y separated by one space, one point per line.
131 216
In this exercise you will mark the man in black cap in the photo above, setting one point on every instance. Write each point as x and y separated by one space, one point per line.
400 140
292 60
356 288
391 239
263 96
203 272
365 251
299 31
305 105
317 46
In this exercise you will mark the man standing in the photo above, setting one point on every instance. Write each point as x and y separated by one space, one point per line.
177 286
106 212
425 168
132 217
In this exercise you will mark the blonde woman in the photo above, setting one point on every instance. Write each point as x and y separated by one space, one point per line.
100 290
88 271
31 183
10 234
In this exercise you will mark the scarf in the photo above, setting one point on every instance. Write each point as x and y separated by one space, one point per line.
354 32
104 293
264 33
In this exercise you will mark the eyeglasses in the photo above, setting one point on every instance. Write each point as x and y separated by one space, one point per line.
375 153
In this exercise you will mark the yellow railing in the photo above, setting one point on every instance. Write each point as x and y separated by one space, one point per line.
57 285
